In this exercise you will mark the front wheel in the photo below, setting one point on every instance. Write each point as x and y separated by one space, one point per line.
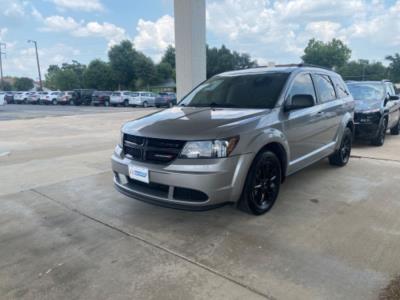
54 102
380 139
126 103
262 184
396 129
342 155
145 104
106 103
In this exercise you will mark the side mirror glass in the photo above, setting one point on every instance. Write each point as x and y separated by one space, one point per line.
299 101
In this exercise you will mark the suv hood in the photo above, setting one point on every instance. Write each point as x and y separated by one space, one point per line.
361 105
193 123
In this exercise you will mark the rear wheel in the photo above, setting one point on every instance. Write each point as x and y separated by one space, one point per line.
342 155
262 184
380 139
54 102
126 103
396 129
145 104
106 103
170 104
71 102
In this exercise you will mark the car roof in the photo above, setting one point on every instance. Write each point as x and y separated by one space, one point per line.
289 68
369 81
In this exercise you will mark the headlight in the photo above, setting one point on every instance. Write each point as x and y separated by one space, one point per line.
209 149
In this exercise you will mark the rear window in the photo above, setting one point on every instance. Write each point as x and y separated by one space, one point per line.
243 91
325 88
340 86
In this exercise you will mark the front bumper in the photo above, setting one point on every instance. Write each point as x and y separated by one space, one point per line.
174 185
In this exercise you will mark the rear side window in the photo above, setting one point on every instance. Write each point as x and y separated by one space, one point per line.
325 88
135 94
340 87
303 85
116 94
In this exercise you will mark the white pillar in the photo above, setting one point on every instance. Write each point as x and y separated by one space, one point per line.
190 44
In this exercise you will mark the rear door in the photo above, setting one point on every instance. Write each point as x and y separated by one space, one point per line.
331 110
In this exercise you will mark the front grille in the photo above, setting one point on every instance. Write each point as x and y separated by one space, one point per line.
151 149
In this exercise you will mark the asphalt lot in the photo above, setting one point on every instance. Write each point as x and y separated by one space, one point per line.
67 234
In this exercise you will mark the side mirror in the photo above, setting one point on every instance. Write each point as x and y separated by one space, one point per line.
299 101
393 98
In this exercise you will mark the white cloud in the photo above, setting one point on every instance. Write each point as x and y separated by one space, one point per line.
81 5
154 37
110 32
23 62
278 30
3 32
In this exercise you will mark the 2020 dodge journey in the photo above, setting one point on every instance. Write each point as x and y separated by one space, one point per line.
235 137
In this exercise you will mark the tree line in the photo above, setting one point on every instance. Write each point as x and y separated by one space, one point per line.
128 68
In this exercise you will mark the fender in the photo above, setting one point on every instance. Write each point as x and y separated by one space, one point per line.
347 118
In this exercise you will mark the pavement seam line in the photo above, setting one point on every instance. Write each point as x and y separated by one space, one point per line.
375 158
162 248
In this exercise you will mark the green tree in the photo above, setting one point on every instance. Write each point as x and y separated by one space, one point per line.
362 69
98 75
122 57
394 67
222 59
145 70
23 84
6 86
66 77
169 56
164 71
331 54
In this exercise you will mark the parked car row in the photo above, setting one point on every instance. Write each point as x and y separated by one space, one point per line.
93 97
235 137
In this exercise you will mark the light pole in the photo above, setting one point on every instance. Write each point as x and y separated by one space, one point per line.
1 66
38 64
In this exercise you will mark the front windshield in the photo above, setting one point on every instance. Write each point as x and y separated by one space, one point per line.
243 91
367 91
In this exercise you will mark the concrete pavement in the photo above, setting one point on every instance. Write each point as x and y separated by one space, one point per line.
67 234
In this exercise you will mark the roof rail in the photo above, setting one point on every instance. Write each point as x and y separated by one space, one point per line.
304 65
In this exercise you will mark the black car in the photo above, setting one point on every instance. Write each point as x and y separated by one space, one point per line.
101 98
82 97
9 97
165 99
377 109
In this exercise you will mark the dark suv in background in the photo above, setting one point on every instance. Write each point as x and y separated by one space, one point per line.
377 110
101 98
165 99
82 96
235 137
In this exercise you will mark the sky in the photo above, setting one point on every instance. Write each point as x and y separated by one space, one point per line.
269 30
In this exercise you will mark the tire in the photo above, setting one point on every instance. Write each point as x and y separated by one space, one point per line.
396 129
71 102
262 184
380 139
170 104
145 104
342 156
126 102
106 103
158 106
54 102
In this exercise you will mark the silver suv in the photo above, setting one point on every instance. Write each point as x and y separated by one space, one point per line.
235 137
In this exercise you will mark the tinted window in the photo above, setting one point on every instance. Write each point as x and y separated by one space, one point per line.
325 88
303 85
126 93
116 94
340 87
242 91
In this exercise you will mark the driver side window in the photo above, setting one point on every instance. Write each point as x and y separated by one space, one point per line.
303 85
